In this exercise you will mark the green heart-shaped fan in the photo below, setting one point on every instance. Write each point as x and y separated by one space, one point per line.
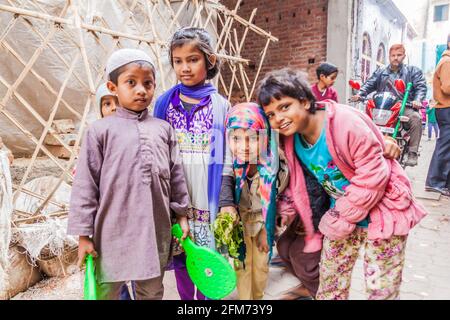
208 270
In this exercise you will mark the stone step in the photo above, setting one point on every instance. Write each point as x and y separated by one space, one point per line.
64 126
68 138
59 151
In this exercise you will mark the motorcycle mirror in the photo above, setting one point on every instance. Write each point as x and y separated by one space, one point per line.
400 85
354 84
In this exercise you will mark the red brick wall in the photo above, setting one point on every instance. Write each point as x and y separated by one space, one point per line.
300 26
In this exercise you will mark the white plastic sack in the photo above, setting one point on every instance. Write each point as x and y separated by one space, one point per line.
51 233
6 209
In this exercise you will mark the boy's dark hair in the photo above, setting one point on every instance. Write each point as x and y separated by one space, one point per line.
448 42
285 82
202 40
114 75
326 69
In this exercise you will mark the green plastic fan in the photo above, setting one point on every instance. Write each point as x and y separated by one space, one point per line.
90 285
208 270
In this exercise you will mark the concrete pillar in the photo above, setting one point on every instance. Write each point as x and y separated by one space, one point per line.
339 43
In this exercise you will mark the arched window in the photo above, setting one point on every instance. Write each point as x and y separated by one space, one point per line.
366 57
381 56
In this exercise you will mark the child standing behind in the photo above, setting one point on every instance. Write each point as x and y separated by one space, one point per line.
106 101
323 89
128 181
197 112
253 188
423 113
432 122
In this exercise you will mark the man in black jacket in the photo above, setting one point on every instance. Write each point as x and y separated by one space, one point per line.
383 80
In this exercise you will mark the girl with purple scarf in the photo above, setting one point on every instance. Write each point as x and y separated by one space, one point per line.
197 113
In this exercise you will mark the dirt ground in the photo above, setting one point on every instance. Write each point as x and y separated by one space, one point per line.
43 166
67 288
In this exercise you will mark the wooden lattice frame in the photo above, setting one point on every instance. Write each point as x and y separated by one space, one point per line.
220 18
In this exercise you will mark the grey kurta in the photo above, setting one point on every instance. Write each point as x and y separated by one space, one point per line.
129 180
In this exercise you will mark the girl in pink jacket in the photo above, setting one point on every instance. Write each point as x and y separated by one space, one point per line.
372 205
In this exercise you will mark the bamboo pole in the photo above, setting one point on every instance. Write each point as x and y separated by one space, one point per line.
50 121
27 68
208 19
259 67
223 84
63 60
9 27
21 213
232 68
175 19
35 195
196 17
34 140
68 36
228 23
160 14
241 20
231 58
241 68
78 25
24 102
223 46
158 52
69 22
33 111
227 39
41 217
244 36
38 77
72 157
240 46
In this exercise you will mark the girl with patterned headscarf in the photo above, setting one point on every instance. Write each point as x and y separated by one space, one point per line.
252 190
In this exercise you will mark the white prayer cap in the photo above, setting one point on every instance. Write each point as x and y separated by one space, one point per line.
122 57
102 91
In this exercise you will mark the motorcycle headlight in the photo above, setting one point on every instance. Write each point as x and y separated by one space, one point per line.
381 117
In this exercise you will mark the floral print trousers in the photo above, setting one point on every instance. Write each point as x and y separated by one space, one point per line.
383 265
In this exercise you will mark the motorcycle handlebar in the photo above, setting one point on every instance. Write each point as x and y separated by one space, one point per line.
360 100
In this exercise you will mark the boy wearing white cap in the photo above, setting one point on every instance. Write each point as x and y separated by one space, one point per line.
129 183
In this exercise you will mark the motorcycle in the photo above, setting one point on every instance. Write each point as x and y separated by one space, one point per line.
386 111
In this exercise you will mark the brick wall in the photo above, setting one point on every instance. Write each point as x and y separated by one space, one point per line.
300 26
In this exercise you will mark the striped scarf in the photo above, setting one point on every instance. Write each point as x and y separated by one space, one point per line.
251 116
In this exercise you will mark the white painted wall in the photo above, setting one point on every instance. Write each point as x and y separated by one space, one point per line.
436 33
339 42
383 26
347 21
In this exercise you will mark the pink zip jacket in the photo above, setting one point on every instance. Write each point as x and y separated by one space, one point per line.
378 187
